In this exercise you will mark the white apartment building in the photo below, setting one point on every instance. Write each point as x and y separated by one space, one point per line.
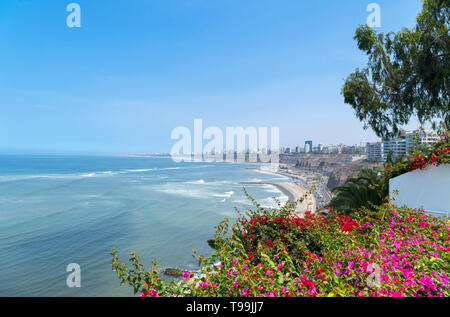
419 137
395 145
406 141
374 150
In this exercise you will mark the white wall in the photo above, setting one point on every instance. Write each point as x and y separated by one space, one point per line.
428 188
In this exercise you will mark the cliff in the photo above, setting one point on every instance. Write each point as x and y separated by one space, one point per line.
338 167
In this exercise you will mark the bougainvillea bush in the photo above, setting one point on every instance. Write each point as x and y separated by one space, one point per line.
390 252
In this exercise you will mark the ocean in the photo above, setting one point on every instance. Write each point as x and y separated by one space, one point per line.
57 210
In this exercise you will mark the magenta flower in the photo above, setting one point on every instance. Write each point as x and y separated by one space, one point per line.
186 275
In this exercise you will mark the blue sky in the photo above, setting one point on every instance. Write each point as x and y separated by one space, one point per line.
137 69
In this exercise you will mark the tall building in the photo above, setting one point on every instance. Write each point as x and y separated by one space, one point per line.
308 146
374 151
404 143
420 137
396 146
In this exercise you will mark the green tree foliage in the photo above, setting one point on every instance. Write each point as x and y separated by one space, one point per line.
407 75
366 190
371 188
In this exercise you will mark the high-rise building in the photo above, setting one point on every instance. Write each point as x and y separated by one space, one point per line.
404 143
396 146
420 137
374 151
308 146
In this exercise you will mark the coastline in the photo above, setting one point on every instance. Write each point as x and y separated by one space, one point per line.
284 190
292 190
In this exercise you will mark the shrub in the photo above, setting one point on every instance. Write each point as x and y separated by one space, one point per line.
387 252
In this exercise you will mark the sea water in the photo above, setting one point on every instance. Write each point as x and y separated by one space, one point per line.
57 210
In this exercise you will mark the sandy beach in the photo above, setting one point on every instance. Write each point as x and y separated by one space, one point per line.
294 192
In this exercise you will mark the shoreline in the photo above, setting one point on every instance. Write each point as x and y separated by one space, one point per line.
294 192
285 191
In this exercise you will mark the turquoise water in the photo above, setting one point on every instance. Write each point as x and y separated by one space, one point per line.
73 209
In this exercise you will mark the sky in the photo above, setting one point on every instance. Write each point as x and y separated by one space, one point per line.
135 70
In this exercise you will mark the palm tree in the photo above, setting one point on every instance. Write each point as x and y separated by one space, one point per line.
366 190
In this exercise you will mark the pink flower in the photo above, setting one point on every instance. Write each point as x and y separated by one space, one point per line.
280 265
151 293
244 291
186 275
395 294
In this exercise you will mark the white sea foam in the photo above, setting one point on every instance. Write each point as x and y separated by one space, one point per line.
271 189
180 190
140 170
9 178
198 182
225 195
95 174
242 201
271 203
254 180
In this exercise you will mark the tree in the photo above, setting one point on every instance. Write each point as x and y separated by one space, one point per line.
408 73
366 190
